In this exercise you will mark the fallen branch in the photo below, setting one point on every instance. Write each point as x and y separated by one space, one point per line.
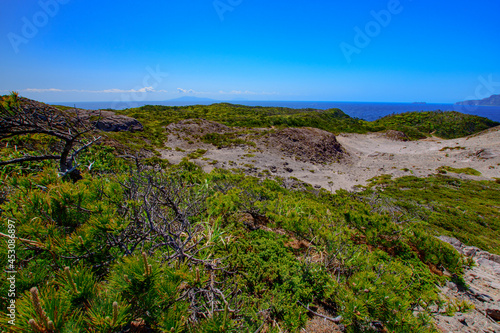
335 320
266 318
73 156
31 158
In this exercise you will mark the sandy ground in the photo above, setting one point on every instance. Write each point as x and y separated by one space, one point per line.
484 293
369 155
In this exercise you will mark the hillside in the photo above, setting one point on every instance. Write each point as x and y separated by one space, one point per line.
148 242
446 125
333 120
415 125
493 100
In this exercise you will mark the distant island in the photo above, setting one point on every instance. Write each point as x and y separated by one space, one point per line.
493 100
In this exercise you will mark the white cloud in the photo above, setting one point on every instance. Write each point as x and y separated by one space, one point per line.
246 92
42 90
185 91
190 91
106 91
140 90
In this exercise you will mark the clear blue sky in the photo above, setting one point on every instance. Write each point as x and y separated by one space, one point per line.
433 51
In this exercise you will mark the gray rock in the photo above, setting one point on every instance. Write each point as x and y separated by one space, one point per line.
485 154
480 295
108 121
470 251
450 240
489 256
484 298
492 265
111 122
494 312
451 286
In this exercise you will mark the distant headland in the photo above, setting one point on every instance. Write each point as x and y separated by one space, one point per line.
493 100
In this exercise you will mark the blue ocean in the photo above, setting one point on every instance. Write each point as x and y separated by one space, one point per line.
366 110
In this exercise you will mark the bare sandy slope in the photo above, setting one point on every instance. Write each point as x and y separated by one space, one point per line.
367 156
483 293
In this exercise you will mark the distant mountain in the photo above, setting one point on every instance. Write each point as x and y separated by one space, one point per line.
191 99
493 100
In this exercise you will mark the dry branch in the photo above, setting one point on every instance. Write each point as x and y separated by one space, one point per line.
19 117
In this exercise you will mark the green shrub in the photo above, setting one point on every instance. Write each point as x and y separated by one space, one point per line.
369 257
467 171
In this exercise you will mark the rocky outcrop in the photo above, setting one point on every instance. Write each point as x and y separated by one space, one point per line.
483 292
395 135
306 144
106 121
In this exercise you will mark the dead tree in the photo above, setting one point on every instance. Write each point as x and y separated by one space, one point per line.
163 208
19 118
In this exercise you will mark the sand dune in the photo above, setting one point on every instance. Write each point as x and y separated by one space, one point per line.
364 156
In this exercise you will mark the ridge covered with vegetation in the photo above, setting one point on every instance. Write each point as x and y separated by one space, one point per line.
137 245
416 125
446 125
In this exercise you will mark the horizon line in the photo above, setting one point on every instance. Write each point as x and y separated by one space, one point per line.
253 101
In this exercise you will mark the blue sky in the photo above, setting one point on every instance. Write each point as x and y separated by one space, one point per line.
379 51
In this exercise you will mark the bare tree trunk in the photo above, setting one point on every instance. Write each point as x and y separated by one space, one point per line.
65 163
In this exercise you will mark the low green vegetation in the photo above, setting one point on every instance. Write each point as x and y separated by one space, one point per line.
452 148
197 154
416 125
141 245
335 250
467 171
333 120
446 125
465 209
